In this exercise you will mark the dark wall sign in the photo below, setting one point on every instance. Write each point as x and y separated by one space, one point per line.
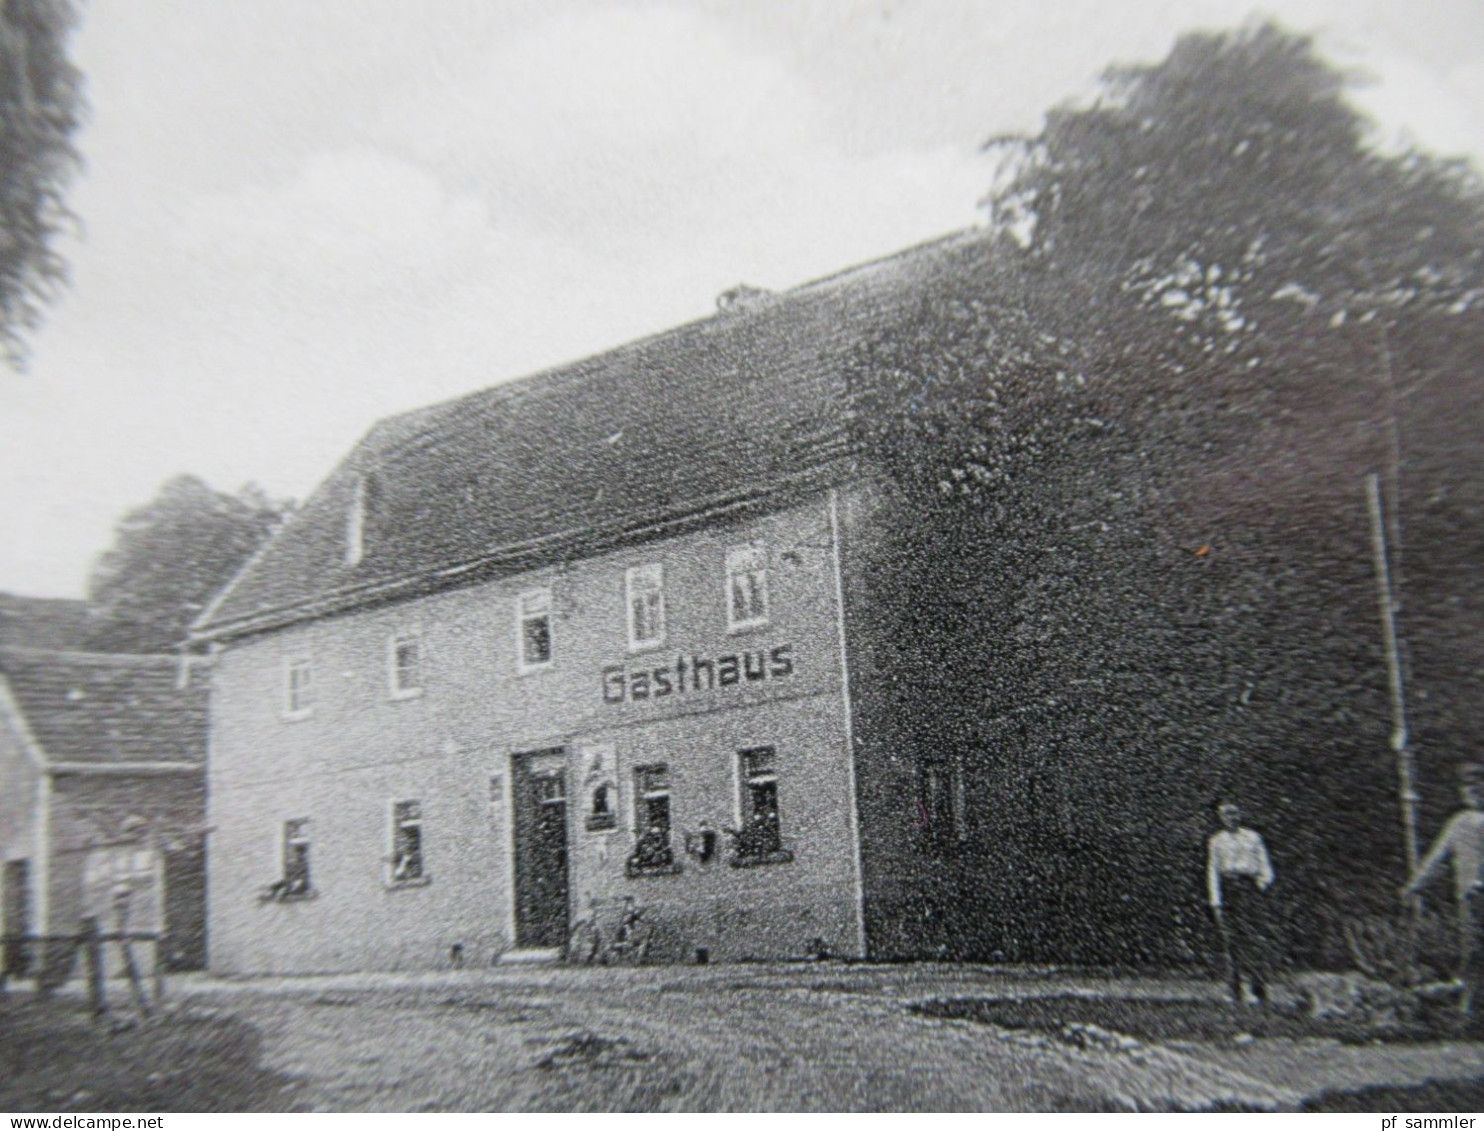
691 674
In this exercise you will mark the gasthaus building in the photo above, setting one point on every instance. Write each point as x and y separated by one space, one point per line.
575 638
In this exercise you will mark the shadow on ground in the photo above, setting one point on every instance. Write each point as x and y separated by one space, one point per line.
54 1056
1435 1095
1077 1019
1112 1022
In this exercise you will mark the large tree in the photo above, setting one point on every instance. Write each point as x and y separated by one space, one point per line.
170 557
1141 433
40 108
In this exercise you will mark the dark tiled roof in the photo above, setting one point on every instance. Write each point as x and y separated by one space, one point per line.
92 707
43 622
735 405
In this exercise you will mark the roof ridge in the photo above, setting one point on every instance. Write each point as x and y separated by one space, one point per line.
101 659
749 399
549 378
960 235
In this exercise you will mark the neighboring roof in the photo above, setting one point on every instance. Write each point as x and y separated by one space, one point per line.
43 622
98 709
712 415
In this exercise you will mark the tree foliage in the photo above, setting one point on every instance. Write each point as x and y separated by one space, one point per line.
40 109
170 557
1140 433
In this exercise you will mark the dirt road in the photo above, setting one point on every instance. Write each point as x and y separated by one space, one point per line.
739 1038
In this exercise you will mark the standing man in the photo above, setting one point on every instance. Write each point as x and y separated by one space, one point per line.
1462 841
1238 876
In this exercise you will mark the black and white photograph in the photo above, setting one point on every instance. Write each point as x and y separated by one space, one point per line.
624 556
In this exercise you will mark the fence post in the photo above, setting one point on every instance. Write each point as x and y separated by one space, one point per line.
158 974
39 961
93 955
132 971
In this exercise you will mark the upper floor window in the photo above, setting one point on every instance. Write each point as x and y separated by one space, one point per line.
407 842
405 665
645 590
298 692
747 586
533 629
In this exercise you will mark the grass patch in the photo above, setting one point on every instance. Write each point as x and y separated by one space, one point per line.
1159 1019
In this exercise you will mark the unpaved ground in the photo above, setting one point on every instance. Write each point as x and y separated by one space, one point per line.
760 1038
719 1038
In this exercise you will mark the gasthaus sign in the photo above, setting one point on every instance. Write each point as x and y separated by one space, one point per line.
688 675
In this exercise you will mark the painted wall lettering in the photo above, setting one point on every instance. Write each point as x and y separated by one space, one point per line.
688 674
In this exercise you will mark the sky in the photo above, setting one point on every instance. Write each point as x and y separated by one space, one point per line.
298 218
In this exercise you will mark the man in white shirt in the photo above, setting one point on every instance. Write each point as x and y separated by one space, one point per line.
1462 842
1238 876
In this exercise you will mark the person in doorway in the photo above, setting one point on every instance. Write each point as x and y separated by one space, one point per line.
1238 878
1461 842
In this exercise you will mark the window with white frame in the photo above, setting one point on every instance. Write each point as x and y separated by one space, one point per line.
405 665
295 879
759 838
644 588
533 630
941 808
355 524
747 586
407 842
652 850
298 681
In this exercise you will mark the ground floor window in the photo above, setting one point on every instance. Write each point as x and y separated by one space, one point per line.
295 880
941 816
652 849
407 842
759 839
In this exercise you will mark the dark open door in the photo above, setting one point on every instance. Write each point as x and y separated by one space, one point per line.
15 891
185 909
540 849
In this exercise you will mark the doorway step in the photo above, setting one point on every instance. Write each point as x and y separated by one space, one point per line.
532 956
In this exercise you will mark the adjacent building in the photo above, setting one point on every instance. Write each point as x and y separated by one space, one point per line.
102 798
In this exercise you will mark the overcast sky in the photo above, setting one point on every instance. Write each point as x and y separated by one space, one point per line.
301 217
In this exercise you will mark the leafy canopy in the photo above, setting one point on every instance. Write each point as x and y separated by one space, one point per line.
170 557
40 109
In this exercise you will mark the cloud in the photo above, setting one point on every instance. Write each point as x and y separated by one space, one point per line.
348 220
1414 105
291 235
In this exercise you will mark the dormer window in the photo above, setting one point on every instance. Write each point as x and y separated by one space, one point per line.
355 525
362 500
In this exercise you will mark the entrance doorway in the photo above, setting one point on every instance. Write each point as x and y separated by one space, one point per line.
15 892
540 797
